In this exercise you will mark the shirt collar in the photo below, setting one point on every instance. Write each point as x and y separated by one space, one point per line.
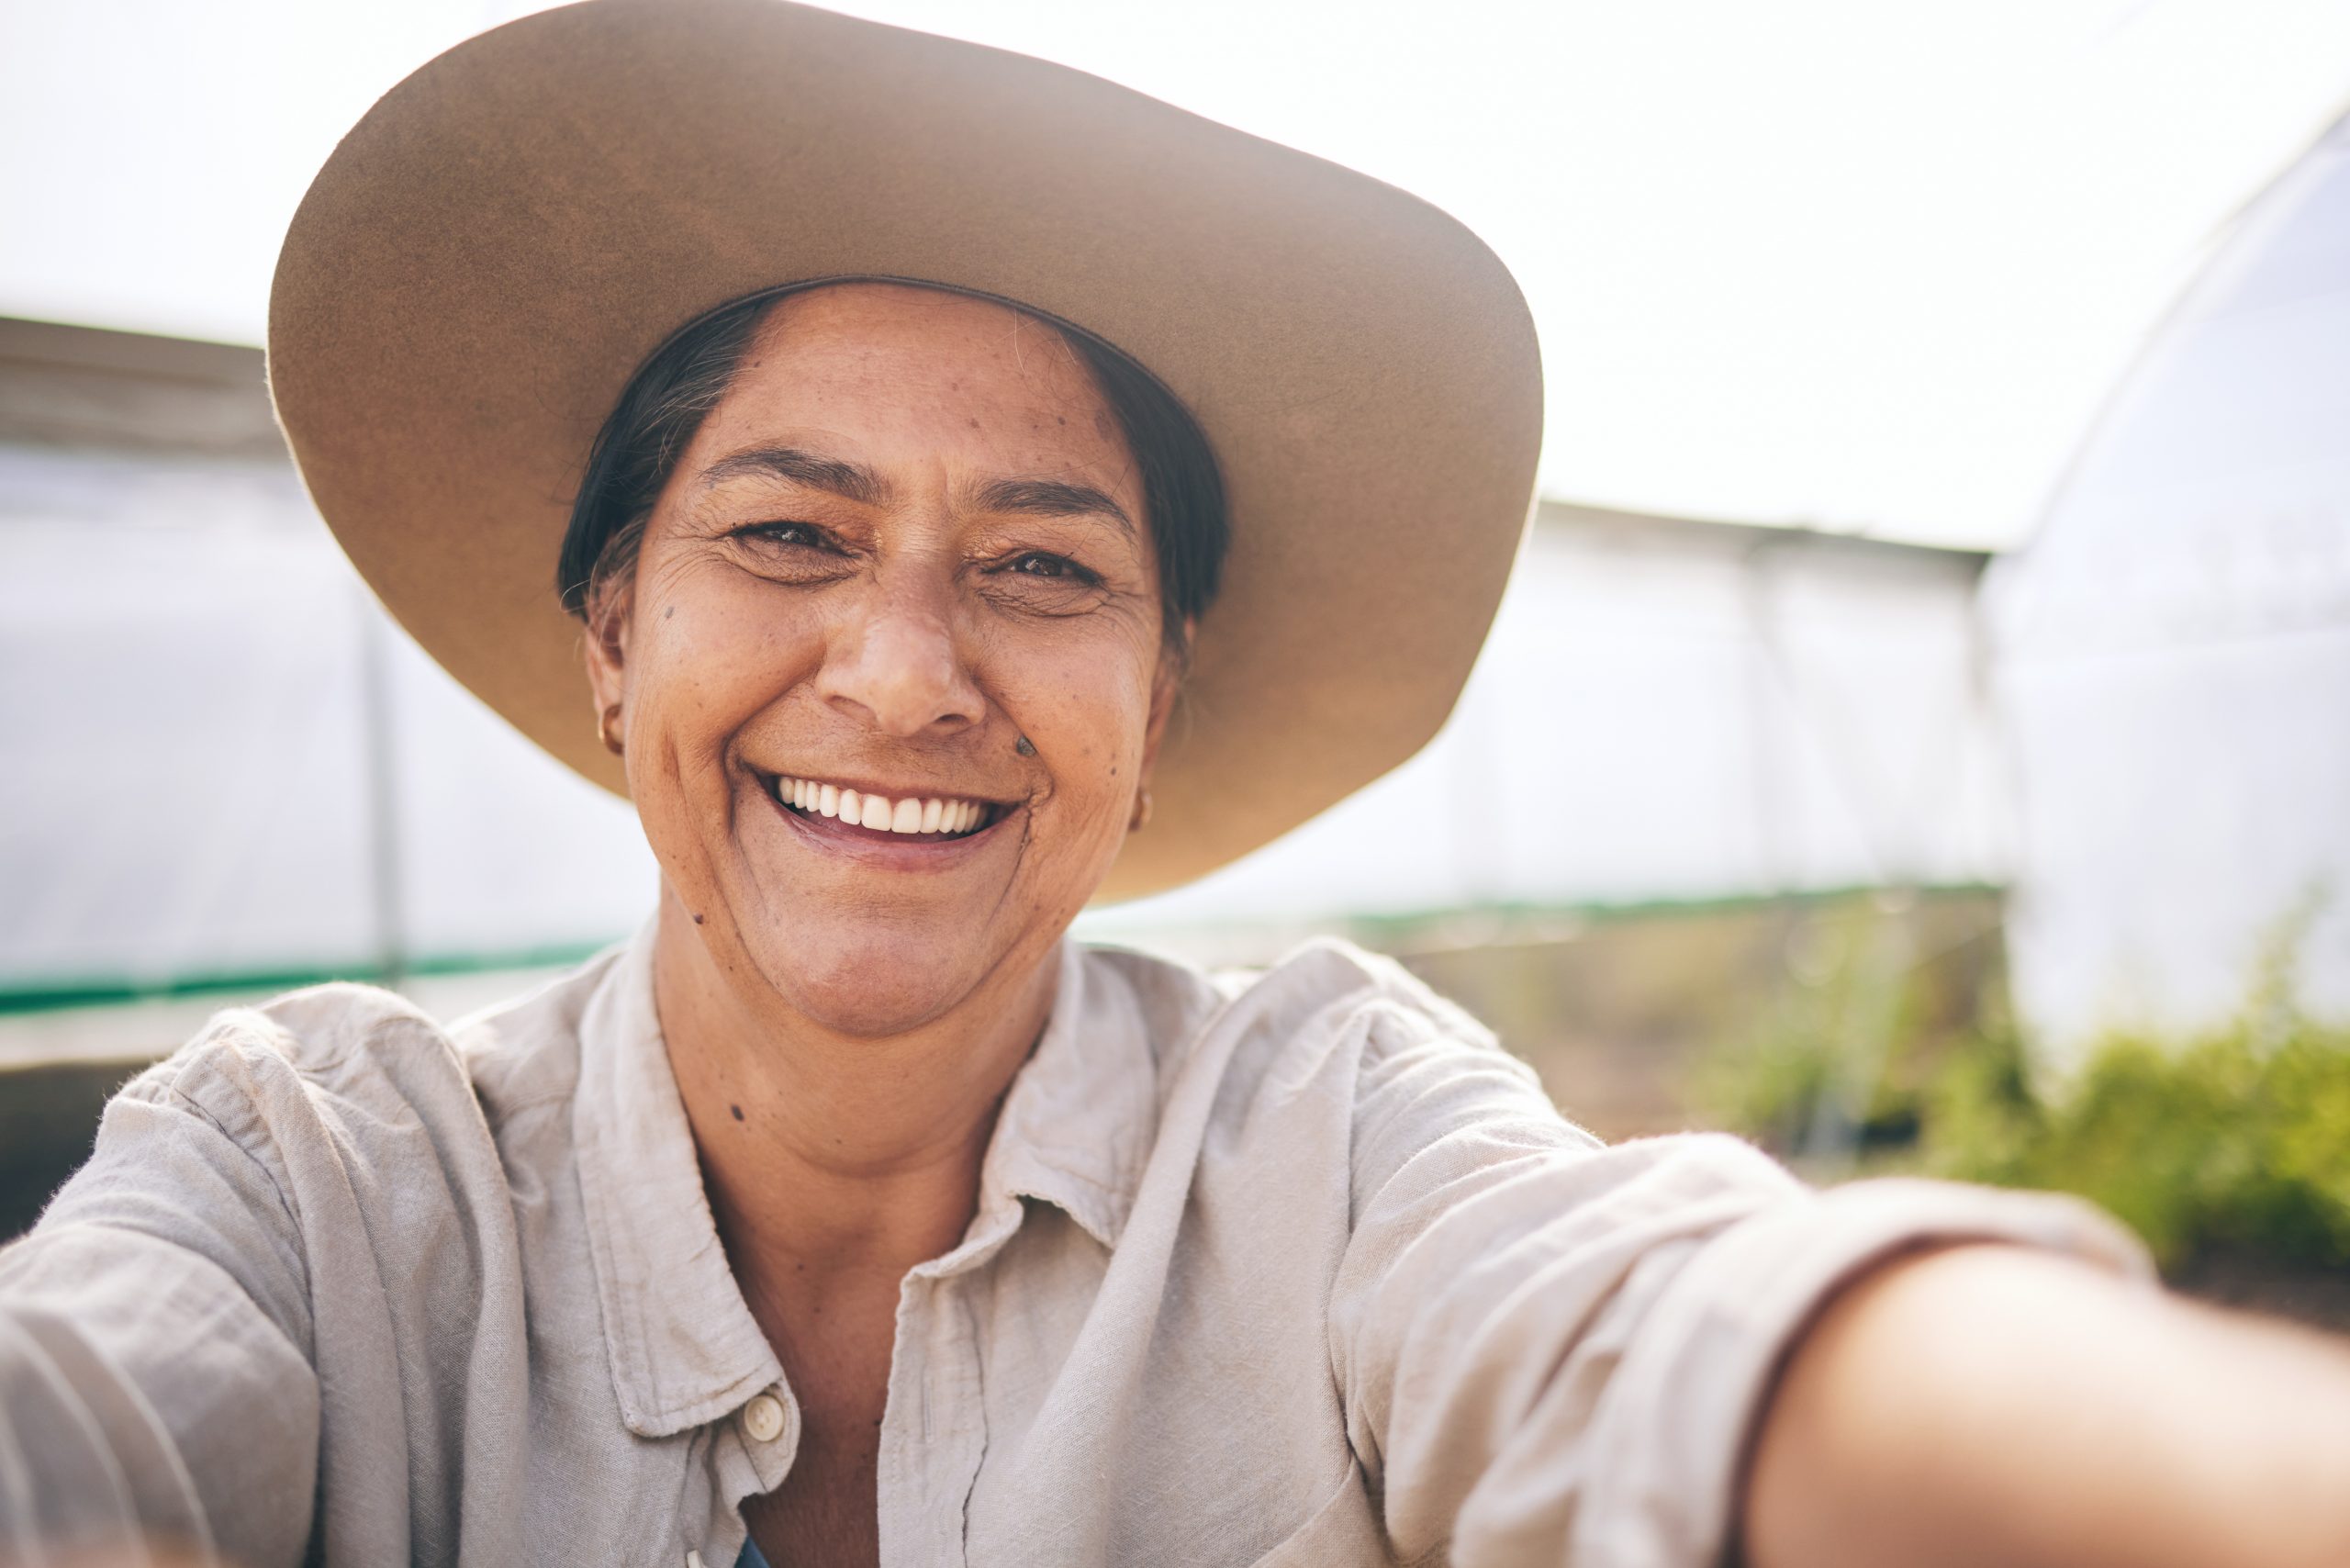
684 1349
1079 1118
684 1346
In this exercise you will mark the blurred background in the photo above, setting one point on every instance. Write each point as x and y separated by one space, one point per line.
1917 736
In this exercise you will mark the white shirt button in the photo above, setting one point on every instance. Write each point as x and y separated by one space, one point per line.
763 1418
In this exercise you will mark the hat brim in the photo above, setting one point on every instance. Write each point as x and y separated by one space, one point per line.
489 256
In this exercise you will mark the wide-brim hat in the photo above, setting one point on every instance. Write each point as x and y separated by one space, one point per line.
490 254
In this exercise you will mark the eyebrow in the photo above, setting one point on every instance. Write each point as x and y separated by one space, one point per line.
851 481
1051 498
855 482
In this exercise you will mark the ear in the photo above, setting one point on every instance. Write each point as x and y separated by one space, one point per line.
1165 685
604 646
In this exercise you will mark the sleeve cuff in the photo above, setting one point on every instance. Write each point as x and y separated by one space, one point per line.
1672 1428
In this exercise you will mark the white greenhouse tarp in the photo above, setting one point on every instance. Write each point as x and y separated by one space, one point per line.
203 778
1671 711
2175 649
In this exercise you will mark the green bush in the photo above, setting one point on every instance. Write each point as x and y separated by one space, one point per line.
2239 1140
1874 1060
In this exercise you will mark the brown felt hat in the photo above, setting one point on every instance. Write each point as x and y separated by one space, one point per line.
490 255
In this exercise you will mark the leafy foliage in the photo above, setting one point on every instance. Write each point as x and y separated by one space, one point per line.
2233 1142
2239 1140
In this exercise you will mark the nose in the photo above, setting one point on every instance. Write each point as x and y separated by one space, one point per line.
898 667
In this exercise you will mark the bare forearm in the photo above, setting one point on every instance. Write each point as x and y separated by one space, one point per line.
1992 1406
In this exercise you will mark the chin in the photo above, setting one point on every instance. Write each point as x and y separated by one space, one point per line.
870 978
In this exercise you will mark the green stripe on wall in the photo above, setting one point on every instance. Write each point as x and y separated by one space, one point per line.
1372 930
47 996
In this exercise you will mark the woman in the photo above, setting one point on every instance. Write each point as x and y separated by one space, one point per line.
849 1213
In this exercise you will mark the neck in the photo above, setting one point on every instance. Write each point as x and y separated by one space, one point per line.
828 1155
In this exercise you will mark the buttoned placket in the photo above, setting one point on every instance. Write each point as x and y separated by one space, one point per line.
933 1429
752 1451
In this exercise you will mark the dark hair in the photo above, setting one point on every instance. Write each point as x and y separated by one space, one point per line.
667 400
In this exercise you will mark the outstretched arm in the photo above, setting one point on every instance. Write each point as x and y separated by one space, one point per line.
1553 1352
1990 1404
154 1384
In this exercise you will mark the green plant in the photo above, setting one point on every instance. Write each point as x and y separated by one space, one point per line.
2239 1139
2235 1142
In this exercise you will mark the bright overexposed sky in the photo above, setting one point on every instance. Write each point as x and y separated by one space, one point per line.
1864 265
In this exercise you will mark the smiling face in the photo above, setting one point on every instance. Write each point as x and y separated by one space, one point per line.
909 535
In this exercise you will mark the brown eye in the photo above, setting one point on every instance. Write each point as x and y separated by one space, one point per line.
789 533
794 553
1037 564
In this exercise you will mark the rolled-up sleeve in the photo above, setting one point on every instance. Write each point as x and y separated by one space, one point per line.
1553 1352
155 1384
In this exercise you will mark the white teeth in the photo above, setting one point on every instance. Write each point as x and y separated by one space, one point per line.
934 814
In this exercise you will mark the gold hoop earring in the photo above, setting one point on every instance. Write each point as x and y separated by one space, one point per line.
1141 819
604 731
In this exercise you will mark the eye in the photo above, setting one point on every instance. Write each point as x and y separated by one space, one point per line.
806 533
1039 563
791 553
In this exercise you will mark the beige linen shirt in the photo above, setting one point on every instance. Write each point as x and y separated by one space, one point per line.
1300 1269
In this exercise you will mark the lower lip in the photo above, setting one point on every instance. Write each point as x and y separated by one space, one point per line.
895 852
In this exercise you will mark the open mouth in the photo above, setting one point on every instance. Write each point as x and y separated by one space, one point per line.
938 818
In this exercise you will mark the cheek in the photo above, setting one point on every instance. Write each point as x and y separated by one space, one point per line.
714 655
1088 718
